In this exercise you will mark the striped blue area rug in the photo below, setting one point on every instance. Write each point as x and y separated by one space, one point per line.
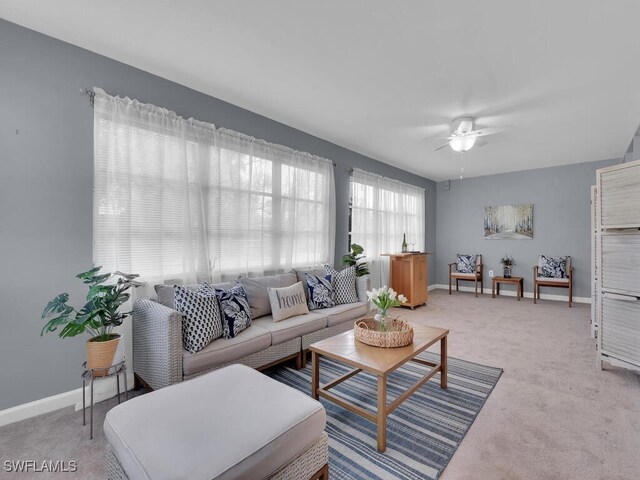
423 433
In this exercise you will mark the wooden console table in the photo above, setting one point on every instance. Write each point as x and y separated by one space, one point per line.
408 272
496 281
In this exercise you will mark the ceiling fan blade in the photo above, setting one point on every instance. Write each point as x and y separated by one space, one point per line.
481 142
441 147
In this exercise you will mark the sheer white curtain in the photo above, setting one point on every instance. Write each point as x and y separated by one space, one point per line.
178 200
382 210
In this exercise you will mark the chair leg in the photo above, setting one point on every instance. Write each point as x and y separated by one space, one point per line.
449 284
457 284
570 294
535 290
476 286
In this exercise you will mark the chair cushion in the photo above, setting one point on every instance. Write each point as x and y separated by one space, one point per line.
463 275
552 280
222 351
344 313
466 263
552 267
214 427
292 327
258 293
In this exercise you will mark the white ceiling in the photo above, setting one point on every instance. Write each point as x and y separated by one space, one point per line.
383 78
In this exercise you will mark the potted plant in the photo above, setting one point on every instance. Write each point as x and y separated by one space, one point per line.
353 259
507 262
98 316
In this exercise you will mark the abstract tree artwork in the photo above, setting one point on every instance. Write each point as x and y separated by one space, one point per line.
508 222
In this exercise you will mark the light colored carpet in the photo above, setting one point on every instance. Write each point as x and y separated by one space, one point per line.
552 415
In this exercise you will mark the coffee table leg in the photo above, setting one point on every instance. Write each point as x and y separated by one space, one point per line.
382 414
315 375
443 362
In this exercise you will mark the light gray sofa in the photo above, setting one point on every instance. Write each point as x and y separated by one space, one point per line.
159 358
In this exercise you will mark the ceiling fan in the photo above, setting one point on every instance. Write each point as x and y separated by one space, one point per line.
463 137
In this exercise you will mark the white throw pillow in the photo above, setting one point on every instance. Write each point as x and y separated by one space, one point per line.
287 302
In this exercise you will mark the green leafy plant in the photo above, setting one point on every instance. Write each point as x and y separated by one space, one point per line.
507 261
100 314
353 259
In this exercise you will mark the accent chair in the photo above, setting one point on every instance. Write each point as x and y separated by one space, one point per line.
467 268
552 272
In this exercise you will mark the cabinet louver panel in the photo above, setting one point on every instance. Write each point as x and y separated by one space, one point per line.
620 269
619 191
620 330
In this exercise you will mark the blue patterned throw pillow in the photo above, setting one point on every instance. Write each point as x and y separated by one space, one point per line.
234 309
552 267
344 284
201 323
466 263
320 291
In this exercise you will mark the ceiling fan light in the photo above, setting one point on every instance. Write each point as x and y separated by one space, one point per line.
462 144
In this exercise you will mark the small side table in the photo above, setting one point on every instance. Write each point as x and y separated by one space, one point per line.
496 281
89 375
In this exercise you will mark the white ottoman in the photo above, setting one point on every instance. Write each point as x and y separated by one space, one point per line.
231 423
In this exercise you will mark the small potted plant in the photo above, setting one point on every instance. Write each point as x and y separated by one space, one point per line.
98 316
353 259
507 262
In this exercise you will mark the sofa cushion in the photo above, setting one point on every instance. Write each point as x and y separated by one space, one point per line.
166 294
258 294
344 284
320 290
234 309
223 351
201 320
287 302
301 274
214 426
344 313
292 327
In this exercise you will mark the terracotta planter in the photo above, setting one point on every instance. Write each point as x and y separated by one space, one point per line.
102 355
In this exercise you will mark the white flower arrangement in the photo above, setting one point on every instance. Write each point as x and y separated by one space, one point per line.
384 298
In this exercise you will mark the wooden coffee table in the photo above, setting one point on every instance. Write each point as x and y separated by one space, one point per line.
380 362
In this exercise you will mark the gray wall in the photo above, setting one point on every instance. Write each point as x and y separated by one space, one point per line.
561 218
46 175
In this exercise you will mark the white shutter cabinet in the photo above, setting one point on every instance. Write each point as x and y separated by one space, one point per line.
617 265
619 189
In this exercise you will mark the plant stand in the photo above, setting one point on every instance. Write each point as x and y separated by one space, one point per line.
88 375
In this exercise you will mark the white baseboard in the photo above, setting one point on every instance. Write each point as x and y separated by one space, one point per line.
103 389
512 293
432 287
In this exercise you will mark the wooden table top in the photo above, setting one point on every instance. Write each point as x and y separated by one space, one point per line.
505 279
381 361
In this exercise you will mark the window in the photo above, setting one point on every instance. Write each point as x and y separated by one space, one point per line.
180 201
382 211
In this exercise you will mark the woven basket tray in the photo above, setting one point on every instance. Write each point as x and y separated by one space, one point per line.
399 333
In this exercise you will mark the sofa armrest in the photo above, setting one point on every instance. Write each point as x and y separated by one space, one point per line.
157 343
363 284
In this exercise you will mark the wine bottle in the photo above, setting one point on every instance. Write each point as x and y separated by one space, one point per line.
404 242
